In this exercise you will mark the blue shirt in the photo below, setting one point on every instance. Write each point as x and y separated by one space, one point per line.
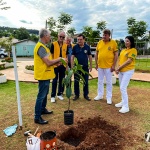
81 53
69 53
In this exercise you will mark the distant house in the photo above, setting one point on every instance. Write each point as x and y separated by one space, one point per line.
24 47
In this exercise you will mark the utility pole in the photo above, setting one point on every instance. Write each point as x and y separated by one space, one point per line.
111 33
46 24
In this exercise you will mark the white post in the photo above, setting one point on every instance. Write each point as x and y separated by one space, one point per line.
17 87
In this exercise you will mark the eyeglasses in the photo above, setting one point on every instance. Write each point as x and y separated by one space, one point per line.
62 37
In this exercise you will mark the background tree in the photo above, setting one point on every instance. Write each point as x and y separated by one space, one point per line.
64 19
7 44
51 23
136 28
101 25
2 7
55 25
90 34
21 34
71 31
34 38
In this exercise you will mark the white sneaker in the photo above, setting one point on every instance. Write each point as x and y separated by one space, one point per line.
118 104
109 101
124 110
97 98
60 97
52 99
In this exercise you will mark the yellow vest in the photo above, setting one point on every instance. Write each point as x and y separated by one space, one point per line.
41 70
124 55
57 50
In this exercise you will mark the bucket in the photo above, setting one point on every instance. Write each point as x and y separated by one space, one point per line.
68 117
48 140
33 143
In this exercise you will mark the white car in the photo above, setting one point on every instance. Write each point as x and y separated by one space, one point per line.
3 53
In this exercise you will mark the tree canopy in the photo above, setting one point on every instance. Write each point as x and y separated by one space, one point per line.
60 24
136 28
2 5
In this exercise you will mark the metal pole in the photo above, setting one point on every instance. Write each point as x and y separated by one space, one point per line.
17 87
111 33
46 24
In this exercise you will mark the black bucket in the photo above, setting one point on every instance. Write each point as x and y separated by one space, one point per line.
68 117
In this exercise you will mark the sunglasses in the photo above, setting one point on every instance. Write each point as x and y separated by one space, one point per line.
62 37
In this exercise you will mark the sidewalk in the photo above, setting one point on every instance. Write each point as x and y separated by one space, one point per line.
30 77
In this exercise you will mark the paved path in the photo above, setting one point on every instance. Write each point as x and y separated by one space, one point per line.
22 76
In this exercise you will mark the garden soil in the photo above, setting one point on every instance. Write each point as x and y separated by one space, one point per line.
95 134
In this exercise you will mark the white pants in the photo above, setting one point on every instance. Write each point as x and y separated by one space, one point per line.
124 79
108 74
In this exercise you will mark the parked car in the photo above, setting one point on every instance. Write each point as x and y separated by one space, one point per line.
3 53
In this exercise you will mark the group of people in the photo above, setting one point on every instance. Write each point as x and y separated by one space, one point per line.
47 66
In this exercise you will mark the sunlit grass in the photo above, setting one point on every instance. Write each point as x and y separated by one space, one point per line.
139 101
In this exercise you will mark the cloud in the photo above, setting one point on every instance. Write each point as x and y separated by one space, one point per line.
24 21
33 13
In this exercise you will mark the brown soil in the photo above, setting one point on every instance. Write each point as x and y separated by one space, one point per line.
94 134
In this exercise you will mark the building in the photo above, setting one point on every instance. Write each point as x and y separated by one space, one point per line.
25 48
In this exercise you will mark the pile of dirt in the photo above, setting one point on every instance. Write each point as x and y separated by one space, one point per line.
91 134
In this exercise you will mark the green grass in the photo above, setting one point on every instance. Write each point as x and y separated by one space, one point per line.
143 65
138 117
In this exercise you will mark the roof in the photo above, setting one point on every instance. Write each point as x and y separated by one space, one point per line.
23 41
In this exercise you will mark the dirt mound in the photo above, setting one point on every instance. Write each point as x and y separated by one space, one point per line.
91 134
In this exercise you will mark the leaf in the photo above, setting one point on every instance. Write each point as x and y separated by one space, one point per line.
65 82
68 92
88 74
76 61
63 62
81 77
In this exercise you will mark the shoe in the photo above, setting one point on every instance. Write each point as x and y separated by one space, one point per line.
46 112
60 97
118 104
75 98
124 110
97 98
87 98
40 121
109 101
52 99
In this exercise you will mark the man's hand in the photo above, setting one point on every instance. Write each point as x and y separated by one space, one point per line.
96 67
90 69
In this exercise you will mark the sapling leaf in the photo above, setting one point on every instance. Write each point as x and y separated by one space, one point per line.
63 62
68 92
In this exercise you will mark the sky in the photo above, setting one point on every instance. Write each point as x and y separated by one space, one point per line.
32 14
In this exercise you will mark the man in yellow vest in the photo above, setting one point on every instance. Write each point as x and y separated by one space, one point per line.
59 49
43 72
105 58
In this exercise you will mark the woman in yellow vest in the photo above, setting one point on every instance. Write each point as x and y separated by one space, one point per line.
43 72
59 49
125 70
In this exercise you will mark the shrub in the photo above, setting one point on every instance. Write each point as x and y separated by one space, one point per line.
30 67
8 59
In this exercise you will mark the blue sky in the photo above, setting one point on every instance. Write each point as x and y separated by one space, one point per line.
32 14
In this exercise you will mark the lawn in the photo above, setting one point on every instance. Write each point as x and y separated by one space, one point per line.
142 65
134 124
